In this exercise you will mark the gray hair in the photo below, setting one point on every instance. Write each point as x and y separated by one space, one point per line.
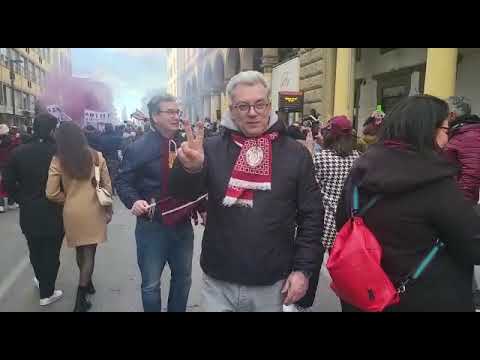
249 78
154 104
459 105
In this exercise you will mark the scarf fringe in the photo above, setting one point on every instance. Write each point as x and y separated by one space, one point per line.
243 184
229 201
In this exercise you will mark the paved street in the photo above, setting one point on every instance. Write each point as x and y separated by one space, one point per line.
116 276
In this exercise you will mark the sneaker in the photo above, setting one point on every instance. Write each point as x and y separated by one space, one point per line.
57 294
2 209
36 283
14 206
290 308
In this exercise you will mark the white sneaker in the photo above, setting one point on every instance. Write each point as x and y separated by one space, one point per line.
13 206
2 209
57 294
36 283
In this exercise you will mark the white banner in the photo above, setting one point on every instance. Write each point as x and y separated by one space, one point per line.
285 77
96 118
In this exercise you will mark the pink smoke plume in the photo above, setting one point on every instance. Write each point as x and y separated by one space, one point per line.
75 94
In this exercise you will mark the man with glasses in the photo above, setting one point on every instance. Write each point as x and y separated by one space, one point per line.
260 183
141 183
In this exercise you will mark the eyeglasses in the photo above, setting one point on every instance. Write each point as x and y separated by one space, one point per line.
169 112
259 107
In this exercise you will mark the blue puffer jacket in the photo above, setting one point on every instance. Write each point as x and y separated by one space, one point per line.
140 173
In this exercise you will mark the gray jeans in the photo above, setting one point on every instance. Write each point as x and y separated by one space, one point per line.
221 296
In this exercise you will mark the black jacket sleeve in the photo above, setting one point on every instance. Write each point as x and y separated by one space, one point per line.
126 179
11 178
308 246
185 186
457 221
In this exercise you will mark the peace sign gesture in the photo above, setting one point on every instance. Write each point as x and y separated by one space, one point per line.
191 153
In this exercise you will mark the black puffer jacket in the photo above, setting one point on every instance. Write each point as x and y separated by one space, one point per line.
421 203
26 179
257 246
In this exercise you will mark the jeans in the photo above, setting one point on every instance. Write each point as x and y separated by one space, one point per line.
222 296
44 257
158 244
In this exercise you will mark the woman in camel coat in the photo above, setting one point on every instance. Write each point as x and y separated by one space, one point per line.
71 182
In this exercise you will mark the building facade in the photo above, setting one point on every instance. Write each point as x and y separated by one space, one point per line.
23 73
350 81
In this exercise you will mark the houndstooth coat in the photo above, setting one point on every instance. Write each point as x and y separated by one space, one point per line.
331 172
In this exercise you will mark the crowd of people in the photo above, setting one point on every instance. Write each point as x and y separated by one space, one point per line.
272 199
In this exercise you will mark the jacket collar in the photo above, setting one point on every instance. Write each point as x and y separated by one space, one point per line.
273 125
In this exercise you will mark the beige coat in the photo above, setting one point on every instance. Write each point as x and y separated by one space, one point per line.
84 218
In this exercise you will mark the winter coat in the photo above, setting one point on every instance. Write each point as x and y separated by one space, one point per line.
26 180
7 144
83 216
421 203
331 171
140 176
257 246
464 150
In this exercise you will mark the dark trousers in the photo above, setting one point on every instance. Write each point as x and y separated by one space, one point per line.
44 257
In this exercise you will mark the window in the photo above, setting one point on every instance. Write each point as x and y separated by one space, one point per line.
2 94
33 72
25 101
8 95
32 103
9 56
25 68
3 56
18 66
27 50
18 100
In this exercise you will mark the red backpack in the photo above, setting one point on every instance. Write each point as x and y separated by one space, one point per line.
355 267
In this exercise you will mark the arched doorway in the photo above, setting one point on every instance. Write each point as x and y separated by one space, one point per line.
218 86
252 59
233 63
207 90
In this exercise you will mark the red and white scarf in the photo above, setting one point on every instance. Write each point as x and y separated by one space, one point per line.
252 170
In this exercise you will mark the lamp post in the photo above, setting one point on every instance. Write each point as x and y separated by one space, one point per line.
12 82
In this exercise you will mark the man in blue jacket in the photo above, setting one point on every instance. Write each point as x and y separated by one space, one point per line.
142 180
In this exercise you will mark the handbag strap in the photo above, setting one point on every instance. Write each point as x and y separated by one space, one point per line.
413 276
356 211
96 163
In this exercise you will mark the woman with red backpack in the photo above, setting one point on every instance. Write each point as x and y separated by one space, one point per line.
419 205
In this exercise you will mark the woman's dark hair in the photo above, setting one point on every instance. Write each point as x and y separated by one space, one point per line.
43 125
73 151
414 121
342 145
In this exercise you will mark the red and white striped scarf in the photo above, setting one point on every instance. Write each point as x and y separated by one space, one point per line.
252 170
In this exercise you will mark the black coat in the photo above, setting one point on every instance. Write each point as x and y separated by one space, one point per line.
421 202
257 246
26 180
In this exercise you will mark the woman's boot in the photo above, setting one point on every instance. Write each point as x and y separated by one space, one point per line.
90 289
81 303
